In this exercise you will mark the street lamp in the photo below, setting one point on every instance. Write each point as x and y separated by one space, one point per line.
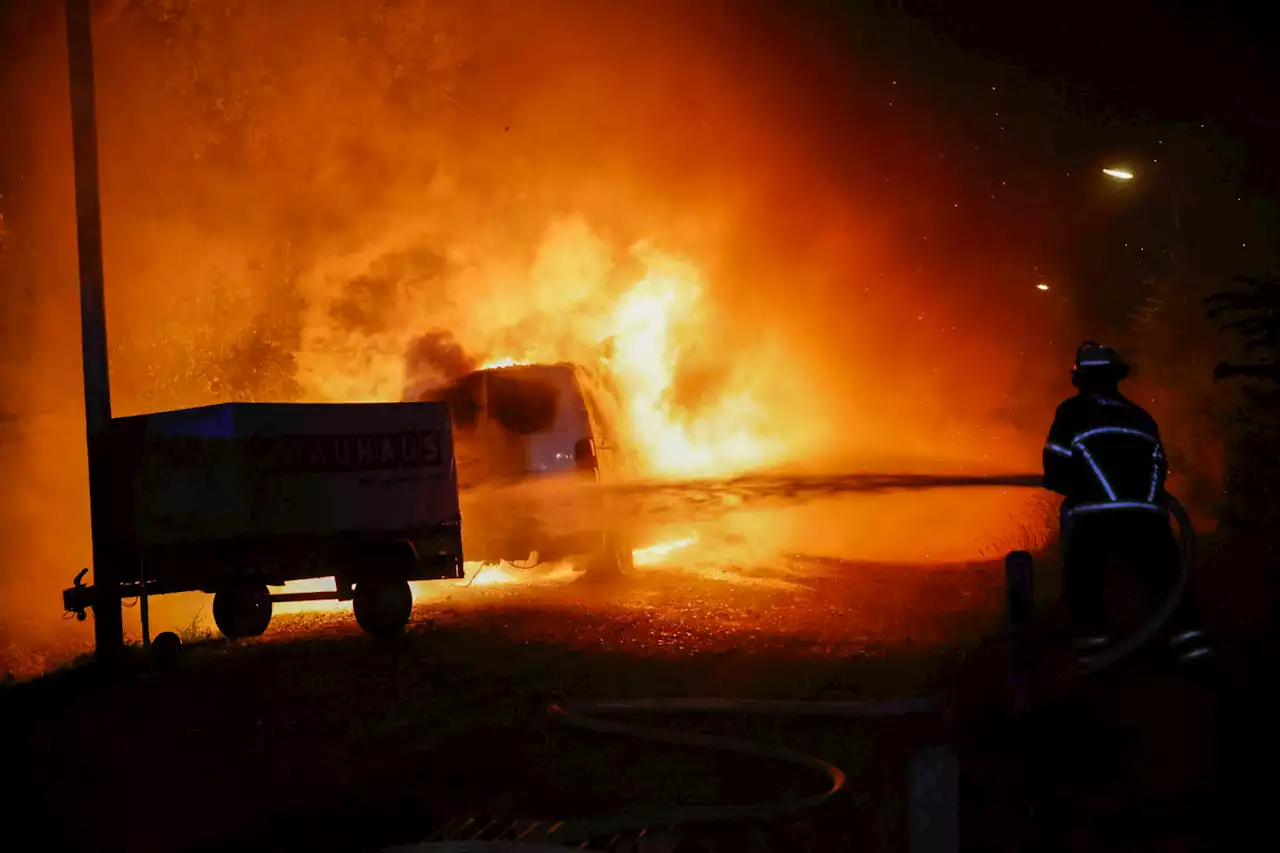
1164 183
1124 176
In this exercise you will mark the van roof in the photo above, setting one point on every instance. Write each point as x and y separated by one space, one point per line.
537 367
520 368
425 389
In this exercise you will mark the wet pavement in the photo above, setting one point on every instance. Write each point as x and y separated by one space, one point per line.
814 566
801 606
818 564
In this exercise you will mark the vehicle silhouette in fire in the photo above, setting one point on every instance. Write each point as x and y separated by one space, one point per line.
533 441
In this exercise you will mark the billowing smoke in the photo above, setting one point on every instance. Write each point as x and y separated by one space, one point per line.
435 359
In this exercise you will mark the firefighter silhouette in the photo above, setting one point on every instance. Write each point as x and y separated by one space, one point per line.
1105 456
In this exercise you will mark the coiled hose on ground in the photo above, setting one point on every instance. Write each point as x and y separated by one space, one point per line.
586 716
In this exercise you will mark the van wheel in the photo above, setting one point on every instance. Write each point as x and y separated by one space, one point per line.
243 610
614 559
383 607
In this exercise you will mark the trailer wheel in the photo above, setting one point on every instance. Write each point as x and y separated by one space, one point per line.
383 607
242 611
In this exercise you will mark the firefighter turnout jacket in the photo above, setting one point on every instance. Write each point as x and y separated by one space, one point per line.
1104 453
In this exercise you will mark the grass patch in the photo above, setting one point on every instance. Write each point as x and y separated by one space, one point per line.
197 630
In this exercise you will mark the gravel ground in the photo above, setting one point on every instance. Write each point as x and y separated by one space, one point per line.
316 736
819 607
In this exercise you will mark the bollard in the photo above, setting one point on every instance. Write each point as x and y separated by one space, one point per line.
1019 610
933 801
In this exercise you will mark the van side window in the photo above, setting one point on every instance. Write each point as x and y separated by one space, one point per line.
521 404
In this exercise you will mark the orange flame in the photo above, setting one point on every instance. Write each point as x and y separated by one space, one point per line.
653 554
490 575
644 365
501 362
726 436
477 575
567 307
309 585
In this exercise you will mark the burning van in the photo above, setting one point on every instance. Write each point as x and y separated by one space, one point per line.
533 443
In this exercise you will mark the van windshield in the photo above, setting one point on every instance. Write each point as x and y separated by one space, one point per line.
523 401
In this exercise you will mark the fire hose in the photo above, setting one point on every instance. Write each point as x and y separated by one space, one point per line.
1153 626
585 716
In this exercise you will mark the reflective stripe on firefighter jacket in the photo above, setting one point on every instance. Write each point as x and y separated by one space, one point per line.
1105 453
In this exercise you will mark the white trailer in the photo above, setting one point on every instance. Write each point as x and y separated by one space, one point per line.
236 498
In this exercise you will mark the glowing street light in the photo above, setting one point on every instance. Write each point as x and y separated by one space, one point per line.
1124 176
1042 286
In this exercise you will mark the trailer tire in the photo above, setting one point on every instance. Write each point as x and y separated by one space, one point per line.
242 611
383 607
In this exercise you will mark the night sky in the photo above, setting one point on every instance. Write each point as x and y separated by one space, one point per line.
1042 103
1033 104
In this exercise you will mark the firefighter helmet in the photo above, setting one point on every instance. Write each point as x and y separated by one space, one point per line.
1094 359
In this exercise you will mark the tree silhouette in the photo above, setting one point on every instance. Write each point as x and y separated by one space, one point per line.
1170 340
1251 312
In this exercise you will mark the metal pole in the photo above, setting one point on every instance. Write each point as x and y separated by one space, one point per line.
1019 610
108 624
